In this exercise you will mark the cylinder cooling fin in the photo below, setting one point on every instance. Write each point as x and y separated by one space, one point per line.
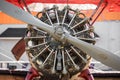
51 56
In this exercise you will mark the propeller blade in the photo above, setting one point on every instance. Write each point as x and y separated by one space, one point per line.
22 15
97 53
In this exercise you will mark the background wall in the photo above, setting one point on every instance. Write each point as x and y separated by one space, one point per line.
109 32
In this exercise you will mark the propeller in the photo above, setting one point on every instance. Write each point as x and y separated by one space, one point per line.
97 53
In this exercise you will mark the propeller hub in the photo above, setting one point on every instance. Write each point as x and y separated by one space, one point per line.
60 31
